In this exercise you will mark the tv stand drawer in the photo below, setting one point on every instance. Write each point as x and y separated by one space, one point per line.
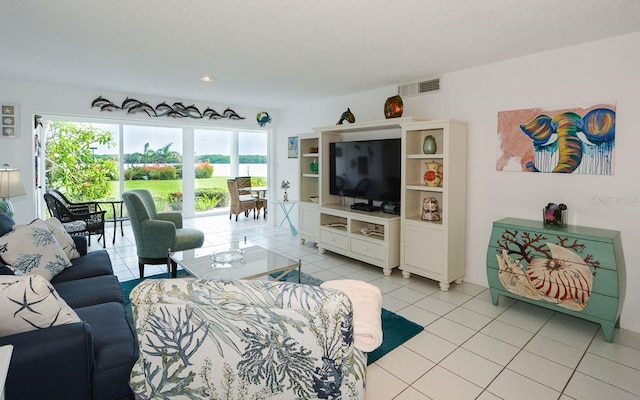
368 249
334 239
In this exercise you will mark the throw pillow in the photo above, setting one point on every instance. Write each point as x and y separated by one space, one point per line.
32 249
30 302
64 239
6 223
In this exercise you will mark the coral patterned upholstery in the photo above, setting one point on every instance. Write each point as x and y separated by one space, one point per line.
244 339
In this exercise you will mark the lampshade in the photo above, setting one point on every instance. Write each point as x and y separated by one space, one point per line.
11 183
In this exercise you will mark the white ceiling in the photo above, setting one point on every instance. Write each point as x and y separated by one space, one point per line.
279 53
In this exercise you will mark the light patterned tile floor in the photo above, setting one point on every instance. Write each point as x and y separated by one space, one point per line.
470 349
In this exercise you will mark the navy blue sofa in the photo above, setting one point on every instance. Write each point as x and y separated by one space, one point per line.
91 359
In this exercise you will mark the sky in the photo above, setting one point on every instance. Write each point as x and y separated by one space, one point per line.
205 141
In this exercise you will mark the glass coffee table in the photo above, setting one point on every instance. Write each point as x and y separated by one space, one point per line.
257 262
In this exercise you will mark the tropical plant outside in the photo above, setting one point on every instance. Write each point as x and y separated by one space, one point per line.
71 165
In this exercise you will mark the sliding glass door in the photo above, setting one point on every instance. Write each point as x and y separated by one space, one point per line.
252 156
153 161
80 160
223 154
212 157
125 156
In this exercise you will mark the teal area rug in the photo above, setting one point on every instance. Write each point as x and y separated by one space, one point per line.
395 328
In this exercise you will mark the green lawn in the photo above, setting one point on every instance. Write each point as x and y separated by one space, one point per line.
163 188
160 189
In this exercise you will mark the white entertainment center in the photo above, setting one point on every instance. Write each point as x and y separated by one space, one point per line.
389 240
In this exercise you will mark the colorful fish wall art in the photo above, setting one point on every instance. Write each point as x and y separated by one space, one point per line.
577 140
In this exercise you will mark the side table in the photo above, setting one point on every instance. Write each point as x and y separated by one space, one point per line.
116 217
286 207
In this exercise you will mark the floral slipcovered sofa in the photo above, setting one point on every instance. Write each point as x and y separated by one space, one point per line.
244 340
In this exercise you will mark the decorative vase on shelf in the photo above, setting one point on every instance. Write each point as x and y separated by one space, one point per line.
314 166
286 196
429 145
433 175
393 107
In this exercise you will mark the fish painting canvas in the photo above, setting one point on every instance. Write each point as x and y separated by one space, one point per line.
578 140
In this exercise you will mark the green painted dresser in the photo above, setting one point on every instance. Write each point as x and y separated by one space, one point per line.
574 270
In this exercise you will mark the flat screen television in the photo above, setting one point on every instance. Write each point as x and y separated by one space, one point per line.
366 169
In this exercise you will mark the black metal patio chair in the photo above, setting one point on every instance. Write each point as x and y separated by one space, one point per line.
84 218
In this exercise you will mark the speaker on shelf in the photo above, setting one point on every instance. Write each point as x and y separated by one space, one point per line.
390 207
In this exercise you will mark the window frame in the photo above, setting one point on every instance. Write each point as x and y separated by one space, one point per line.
188 152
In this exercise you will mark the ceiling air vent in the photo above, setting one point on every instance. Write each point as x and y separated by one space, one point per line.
417 88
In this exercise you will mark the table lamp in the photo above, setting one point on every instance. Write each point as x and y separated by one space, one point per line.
10 186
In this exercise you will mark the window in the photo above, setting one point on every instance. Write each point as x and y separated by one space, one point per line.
226 154
152 157
153 161
252 157
212 157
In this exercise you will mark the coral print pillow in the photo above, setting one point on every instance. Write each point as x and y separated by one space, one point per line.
33 250
28 303
64 239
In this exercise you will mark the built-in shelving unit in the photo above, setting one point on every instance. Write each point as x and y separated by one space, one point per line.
314 147
372 237
309 180
434 249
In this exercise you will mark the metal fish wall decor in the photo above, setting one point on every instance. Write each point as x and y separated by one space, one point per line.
175 110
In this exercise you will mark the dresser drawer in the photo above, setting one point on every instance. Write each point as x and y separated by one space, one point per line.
334 238
535 242
369 249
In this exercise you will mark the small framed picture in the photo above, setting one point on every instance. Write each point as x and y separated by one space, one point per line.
8 131
292 147
8 120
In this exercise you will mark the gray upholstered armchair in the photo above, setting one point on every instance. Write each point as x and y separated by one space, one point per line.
155 233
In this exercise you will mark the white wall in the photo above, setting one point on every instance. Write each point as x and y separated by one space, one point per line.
38 98
599 71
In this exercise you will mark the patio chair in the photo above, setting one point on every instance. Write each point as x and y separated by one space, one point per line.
157 233
262 204
244 185
240 203
77 218
245 189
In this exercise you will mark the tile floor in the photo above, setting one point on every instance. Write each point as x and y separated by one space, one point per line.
469 349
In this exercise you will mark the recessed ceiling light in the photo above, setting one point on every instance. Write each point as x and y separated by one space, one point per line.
206 78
